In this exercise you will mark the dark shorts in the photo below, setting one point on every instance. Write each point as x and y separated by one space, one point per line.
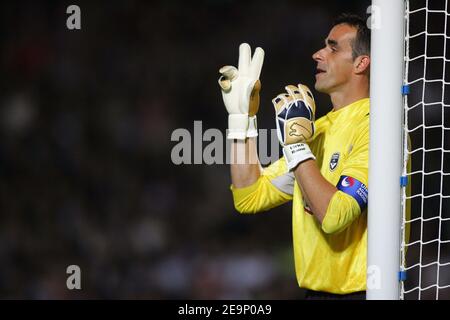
317 295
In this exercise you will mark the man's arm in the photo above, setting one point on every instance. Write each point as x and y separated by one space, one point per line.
315 188
245 166
240 91
295 125
254 190
336 207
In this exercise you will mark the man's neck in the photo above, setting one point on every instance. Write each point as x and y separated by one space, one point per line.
343 98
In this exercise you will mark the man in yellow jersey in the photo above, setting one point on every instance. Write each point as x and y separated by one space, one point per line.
324 170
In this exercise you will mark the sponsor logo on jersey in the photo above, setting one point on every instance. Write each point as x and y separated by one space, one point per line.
334 161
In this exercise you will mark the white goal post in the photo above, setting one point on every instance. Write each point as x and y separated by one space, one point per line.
409 164
386 78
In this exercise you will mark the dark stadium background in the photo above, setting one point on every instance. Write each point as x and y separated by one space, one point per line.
86 176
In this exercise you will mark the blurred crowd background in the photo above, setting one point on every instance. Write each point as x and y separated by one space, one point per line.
86 176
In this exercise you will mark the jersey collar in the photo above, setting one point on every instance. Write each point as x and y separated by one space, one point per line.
345 112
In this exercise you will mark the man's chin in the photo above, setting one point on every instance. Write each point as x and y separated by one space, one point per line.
319 87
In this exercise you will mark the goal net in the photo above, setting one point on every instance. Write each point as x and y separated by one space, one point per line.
425 256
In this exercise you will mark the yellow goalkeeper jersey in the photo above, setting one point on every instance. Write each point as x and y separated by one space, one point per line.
331 256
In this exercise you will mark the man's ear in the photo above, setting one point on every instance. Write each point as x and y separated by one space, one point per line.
362 64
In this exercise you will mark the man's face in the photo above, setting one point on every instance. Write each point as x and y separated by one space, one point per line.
335 61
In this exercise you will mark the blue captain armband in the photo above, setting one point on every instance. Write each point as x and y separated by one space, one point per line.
355 189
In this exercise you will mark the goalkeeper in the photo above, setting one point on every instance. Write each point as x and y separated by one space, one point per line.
324 170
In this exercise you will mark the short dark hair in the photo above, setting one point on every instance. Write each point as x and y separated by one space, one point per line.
361 44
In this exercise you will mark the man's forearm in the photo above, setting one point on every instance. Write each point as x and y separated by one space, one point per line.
245 165
316 189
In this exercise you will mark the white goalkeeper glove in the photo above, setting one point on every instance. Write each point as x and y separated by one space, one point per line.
240 92
294 113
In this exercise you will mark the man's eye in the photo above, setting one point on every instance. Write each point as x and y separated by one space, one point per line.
333 49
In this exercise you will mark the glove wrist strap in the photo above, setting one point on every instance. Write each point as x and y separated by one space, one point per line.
296 153
237 126
252 127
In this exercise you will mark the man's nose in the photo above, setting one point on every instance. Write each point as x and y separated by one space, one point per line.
317 56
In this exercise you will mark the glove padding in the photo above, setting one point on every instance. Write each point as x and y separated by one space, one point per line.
295 115
240 92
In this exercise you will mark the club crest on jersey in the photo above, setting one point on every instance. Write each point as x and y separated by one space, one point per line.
334 161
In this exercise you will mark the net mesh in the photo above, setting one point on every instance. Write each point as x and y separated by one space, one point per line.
426 254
